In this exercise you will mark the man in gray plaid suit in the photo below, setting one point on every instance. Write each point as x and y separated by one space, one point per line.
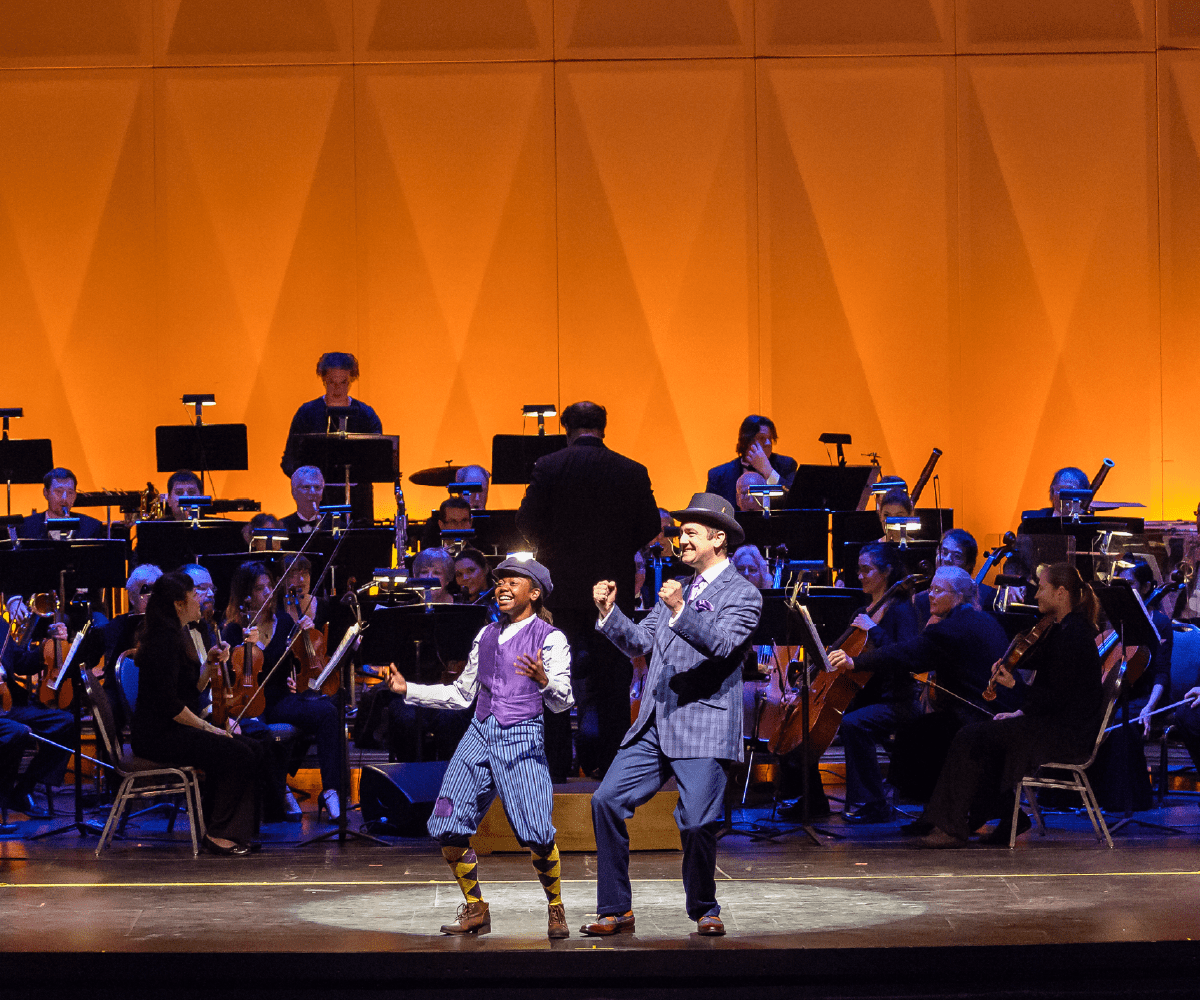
691 713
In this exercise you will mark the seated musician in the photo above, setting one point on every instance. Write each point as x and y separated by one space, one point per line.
308 486
471 575
435 564
749 562
59 489
1116 789
180 484
475 474
887 700
117 636
21 669
167 727
955 651
1069 478
251 599
755 450
1059 719
337 370
893 503
15 739
747 501
262 521
453 514
956 548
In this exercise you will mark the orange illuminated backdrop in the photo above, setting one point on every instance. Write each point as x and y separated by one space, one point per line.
963 223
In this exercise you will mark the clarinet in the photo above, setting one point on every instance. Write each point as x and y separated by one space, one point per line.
401 525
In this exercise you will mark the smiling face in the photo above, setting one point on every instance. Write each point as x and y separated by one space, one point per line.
699 545
470 576
515 596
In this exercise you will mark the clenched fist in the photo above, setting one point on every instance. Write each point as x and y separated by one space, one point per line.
671 594
605 596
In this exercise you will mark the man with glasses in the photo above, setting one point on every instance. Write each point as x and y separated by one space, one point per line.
957 548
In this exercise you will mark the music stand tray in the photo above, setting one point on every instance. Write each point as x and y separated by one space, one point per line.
513 455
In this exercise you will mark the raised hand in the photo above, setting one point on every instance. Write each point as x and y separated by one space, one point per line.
604 593
395 681
671 595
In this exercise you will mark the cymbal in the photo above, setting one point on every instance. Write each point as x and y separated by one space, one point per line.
439 475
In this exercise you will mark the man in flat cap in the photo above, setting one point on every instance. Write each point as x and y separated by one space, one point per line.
690 721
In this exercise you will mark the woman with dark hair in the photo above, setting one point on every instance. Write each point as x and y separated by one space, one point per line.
167 727
471 573
755 451
336 370
1059 719
253 615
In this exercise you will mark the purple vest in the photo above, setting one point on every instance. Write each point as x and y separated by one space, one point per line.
509 696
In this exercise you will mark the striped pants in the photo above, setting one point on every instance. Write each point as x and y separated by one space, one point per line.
494 759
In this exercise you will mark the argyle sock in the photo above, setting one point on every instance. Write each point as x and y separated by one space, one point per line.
549 873
465 865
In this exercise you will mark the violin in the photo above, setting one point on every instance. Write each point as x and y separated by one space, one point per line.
1017 649
220 684
244 696
56 691
309 646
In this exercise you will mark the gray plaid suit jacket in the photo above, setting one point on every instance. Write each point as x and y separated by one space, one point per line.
694 686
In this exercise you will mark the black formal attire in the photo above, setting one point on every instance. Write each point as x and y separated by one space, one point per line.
587 510
311 712
1125 747
722 479
296 525
987 601
232 765
958 652
34 526
313 418
49 763
14 738
1060 722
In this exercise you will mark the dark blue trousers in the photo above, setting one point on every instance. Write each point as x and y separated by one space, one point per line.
639 771
316 716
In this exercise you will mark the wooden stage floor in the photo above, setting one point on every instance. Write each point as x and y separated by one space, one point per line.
869 915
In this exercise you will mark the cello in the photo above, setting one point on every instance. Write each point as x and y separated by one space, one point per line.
832 691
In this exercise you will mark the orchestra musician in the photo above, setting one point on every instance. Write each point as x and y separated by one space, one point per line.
453 514
116 636
180 484
957 547
59 489
587 510
1058 719
308 487
1068 478
752 566
435 564
755 451
471 576
690 717
311 712
475 474
167 727
337 370
747 501
889 698
517 668
894 503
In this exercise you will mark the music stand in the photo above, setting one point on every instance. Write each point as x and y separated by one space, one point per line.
830 487
397 634
803 533
170 544
513 455
850 530
369 458
45 566
204 447
497 529
363 550
24 462
1128 616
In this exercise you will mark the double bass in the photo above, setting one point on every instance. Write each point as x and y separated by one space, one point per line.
832 691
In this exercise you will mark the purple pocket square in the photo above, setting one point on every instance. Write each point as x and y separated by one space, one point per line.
703 605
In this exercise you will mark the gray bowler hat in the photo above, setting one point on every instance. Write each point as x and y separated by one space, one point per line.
714 511
528 567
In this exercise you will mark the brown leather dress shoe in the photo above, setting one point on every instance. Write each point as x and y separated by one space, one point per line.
710 926
556 922
472 918
611 924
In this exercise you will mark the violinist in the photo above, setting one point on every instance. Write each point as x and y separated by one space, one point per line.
253 616
19 666
1058 720
888 698
167 727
